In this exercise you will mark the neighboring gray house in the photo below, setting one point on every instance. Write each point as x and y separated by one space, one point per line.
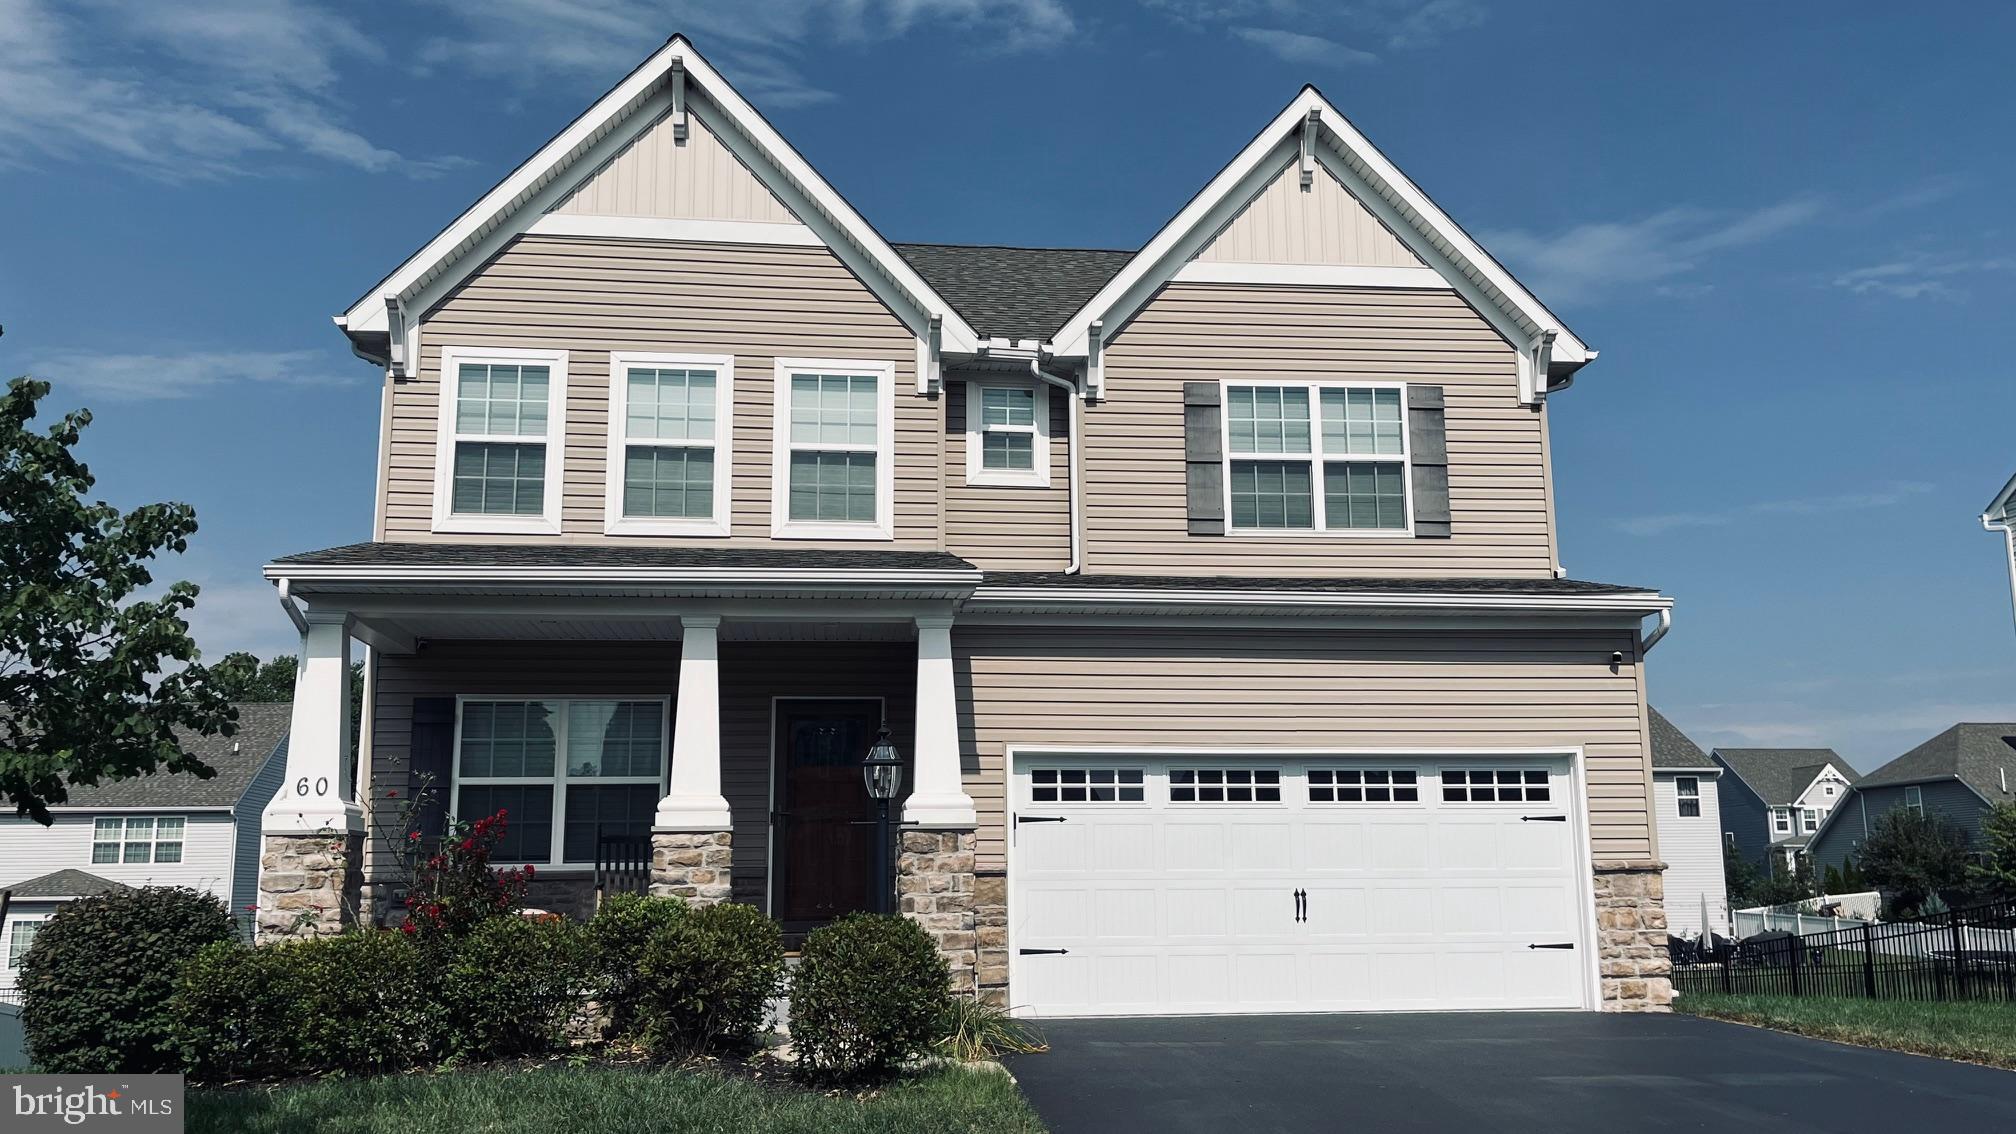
1686 805
1957 775
1775 799
148 831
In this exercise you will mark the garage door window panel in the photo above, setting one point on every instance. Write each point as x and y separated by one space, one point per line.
1225 785
1087 785
1364 785
1495 785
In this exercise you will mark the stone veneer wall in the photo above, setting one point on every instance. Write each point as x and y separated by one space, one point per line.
309 885
935 885
990 917
694 865
1636 972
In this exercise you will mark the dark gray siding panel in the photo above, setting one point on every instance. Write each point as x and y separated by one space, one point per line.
246 834
1744 814
1950 800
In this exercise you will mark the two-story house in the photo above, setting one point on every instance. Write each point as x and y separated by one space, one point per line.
159 830
1209 590
1774 800
1687 809
1958 776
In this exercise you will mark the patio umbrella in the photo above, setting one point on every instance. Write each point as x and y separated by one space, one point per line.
1706 930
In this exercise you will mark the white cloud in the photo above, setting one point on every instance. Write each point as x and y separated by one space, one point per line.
1295 47
232 616
1920 276
1590 261
183 90
147 377
757 42
1867 737
1884 497
1425 25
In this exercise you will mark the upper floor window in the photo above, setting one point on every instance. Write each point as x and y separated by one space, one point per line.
1809 820
832 476
568 771
670 437
1687 789
498 456
137 838
1781 820
1007 434
1317 457
1914 798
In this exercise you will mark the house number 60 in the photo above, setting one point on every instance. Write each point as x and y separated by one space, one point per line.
321 786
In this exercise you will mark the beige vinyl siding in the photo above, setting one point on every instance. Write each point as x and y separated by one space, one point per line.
753 674
1136 503
592 296
1325 224
1007 527
1309 689
654 177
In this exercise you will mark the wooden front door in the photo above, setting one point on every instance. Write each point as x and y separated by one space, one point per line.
825 822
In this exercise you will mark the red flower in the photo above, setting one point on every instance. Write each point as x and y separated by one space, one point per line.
394 794
468 844
528 871
254 906
407 928
413 835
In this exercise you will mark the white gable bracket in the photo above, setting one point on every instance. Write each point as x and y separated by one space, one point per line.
1310 126
930 357
1095 361
396 356
678 83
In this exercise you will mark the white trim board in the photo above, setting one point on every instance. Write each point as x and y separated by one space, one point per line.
1312 275
722 445
447 436
672 228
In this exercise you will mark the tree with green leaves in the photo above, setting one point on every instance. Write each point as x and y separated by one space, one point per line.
1995 875
243 677
94 679
1912 857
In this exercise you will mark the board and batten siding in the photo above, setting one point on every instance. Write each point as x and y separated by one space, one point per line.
1691 846
592 296
1324 224
655 176
1156 688
30 850
1135 488
1007 527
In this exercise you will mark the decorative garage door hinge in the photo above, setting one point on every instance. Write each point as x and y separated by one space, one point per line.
1554 945
1543 818
1030 952
1021 819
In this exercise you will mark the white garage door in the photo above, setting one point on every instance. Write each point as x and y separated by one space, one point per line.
1169 886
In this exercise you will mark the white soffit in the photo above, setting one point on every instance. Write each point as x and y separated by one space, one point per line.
515 204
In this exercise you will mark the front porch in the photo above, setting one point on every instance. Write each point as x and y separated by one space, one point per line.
723 718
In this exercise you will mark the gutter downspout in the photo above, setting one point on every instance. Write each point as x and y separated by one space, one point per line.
1072 428
1658 632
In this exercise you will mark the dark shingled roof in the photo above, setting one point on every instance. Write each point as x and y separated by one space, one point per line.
1062 581
262 729
580 555
1671 748
1780 774
1979 754
64 884
1014 293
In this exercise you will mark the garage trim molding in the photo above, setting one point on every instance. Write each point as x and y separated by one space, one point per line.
1578 811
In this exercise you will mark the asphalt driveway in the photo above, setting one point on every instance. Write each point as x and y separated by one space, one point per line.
1501 1073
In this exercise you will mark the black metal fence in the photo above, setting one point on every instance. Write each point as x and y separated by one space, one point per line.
1966 954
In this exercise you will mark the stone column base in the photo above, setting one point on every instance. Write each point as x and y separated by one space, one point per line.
309 885
935 884
1635 969
694 865
990 915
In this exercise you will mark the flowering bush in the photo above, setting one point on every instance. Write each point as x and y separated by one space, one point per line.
455 889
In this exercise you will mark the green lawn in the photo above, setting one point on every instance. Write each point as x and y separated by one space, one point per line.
607 1100
1979 1032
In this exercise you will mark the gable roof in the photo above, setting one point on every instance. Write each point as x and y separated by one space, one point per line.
262 733
1978 755
625 110
1015 293
1782 775
1672 748
2002 509
1400 204
63 884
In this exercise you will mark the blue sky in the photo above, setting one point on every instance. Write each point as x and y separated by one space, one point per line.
1785 226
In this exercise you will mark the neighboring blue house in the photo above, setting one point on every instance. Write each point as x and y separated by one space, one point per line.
1957 775
1775 799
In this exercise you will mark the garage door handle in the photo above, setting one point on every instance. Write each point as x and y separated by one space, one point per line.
1301 905
1030 952
1555 945
1543 818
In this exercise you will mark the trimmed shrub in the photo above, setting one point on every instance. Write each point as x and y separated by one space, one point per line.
869 992
617 937
509 987
704 979
97 979
354 1003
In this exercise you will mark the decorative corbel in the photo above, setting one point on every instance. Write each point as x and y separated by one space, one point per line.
1539 357
1309 127
678 101
930 358
395 330
1095 361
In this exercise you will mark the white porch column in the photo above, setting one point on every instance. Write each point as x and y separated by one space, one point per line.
318 796
939 800
694 801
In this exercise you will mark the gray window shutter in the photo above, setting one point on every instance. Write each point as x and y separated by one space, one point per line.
431 764
1204 454
1428 446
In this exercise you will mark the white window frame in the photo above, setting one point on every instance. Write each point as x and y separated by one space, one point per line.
8 960
153 839
1555 792
445 517
614 522
559 780
1420 786
1088 771
1036 476
1914 799
1781 820
1253 773
781 448
1809 820
1687 789
1316 458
